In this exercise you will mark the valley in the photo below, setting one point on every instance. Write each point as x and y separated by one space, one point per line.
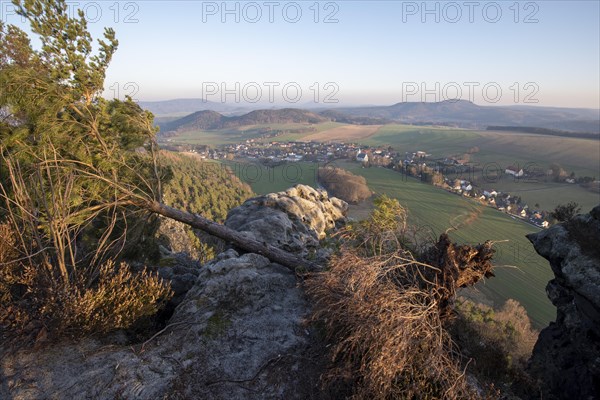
478 157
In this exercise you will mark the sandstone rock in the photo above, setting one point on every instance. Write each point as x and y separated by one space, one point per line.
566 358
238 329
178 269
237 333
294 220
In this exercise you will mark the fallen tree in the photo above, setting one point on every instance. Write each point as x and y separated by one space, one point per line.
229 235
141 197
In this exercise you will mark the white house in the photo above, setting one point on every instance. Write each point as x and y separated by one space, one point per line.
362 157
514 171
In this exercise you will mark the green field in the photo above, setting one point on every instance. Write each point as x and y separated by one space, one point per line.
501 149
291 137
214 138
239 135
263 179
521 274
504 148
549 194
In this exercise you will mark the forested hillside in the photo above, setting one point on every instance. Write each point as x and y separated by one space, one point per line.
202 187
210 120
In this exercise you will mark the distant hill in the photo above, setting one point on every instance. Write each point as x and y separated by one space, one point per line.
186 106
337 116
454 113
212 120
201 120
283 116
461 113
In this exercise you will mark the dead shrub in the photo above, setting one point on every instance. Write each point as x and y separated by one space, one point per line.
117 300
383 318
8 266
457 266
386 312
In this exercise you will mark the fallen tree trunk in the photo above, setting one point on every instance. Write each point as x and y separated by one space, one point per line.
273 253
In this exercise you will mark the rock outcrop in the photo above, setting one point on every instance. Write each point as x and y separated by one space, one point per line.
294 220
566 358
238 333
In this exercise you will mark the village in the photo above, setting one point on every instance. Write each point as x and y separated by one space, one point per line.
448 173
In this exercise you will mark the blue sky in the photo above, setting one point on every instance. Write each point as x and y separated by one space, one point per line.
370 52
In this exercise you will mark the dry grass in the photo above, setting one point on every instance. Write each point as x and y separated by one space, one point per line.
35 305
348 133
383 317
8 254
118 300
385 312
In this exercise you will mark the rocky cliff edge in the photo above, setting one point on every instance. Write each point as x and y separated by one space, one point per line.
239 332
566 357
